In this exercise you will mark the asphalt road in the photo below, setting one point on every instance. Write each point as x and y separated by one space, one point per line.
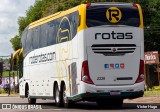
49 106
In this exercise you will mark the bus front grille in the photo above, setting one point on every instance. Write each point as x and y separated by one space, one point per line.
113 49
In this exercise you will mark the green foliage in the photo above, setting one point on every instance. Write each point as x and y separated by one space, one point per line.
15 42
156 88
2 91
22 22
6 73
152 24
152 93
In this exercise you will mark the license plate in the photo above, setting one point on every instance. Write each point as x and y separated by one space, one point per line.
115 93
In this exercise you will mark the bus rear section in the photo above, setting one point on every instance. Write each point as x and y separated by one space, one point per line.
114 64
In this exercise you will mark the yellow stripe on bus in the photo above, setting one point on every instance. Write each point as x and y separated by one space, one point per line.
141 16
82 13
52 17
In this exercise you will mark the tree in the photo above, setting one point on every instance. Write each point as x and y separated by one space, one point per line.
151 13
15 42
23 23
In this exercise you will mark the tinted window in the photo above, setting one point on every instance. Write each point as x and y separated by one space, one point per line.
52 29
36 34
23 38
43 36
96 15
56 31
29 41
67 28
74 23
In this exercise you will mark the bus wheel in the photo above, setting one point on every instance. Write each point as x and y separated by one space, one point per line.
67 103
57 96
31 100
102 103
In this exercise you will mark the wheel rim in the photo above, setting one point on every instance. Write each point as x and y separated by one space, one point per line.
28 95
64 96
57 95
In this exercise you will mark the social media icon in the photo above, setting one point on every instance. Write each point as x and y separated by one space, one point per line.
122 65
117 66
112 66
106 66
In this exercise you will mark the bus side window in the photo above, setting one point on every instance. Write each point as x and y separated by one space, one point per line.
29 41
24 39
36 34
75 23
43 36
51 37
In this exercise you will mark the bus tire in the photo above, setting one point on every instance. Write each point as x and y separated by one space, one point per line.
67 103
118 103
102 103
30 100
58 96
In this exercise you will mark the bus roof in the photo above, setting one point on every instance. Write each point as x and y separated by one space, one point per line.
52 17
63 13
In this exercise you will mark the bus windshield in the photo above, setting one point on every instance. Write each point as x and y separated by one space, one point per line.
101 14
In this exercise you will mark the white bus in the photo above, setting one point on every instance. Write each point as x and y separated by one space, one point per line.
92 52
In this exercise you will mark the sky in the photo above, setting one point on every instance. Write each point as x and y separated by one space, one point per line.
10 10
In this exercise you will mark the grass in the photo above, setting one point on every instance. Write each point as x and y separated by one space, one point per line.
152 93
2 91
6 73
